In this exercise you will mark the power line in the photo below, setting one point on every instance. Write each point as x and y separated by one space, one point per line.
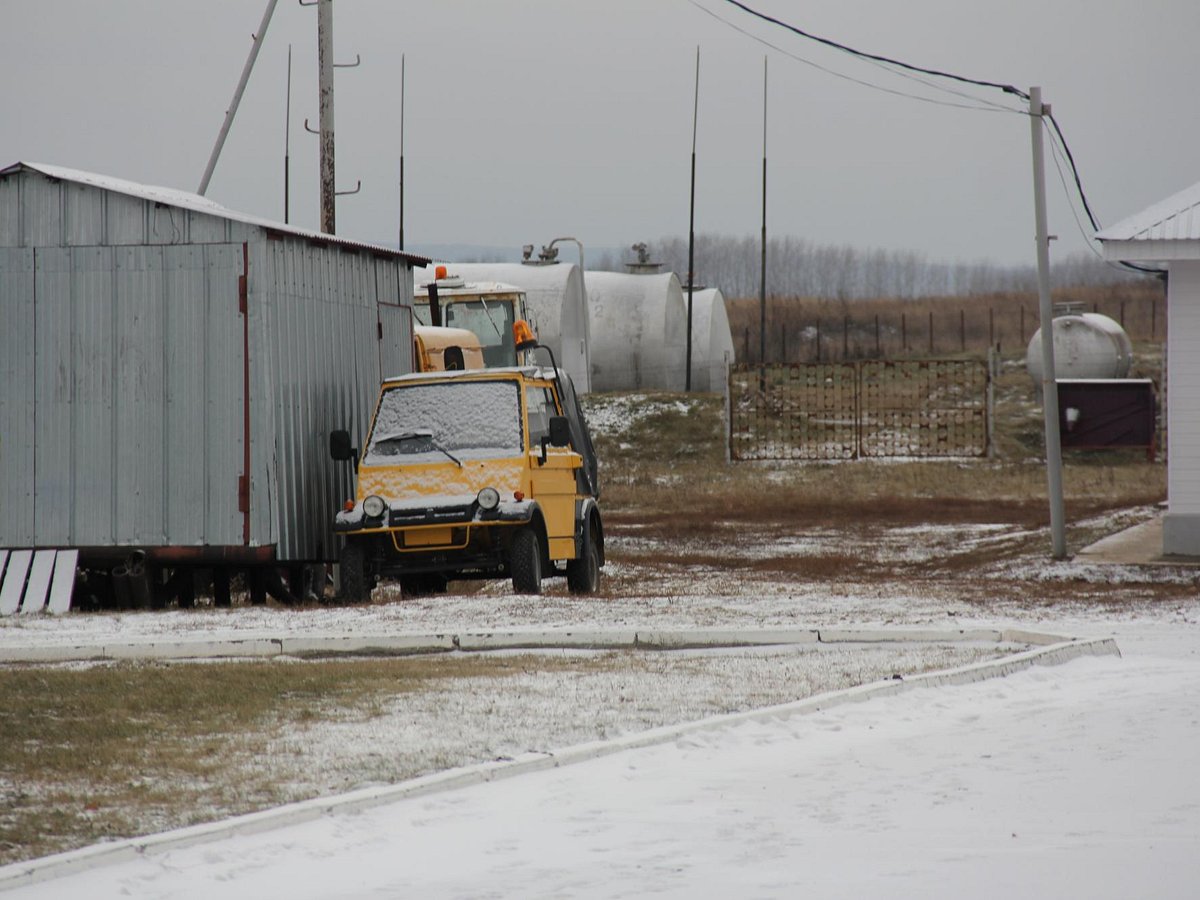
1006 88
979 104
862 54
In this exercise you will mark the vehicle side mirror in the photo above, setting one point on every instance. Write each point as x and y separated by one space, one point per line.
560 431
340 447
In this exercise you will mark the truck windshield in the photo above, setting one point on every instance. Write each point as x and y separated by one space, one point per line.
490 320
425 423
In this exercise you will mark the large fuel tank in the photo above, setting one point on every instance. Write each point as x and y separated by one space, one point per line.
1086 345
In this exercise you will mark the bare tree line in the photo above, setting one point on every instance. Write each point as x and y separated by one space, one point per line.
797 267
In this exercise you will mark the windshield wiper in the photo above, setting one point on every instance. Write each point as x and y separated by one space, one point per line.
413 435
487 312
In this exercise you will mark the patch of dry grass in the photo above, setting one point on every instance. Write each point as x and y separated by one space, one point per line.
88 753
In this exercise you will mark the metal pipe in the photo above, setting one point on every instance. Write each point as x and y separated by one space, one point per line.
692 227
237 97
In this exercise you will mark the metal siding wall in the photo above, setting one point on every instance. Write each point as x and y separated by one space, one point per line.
207 229
140 396
125 219
10 211
319 363
186 309
17 355
53 445
41 213
84 278
84 215
166 224
222 392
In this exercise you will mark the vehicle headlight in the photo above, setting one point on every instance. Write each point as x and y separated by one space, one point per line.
489 498
374 506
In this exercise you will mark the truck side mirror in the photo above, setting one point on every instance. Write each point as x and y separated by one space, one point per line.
560 431
340 447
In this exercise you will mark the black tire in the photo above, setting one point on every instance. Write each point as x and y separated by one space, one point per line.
583 574
525 560
353 561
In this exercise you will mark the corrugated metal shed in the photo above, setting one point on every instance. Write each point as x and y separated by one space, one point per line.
170 370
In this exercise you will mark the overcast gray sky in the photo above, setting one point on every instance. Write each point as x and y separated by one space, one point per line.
531 119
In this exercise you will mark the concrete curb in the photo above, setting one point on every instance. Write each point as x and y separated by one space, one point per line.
32 871
321 645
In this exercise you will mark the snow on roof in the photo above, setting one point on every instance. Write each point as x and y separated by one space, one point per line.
196 203
466 374
1176 218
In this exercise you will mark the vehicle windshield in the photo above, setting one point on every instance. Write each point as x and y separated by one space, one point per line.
489 320
444 421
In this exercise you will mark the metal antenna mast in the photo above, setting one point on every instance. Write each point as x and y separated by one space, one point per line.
692 226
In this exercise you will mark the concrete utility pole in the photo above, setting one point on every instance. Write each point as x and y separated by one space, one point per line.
1049 383
325 98
237 97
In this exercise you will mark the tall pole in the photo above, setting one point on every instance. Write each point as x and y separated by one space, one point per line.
692 226
1049 383
762 280
287 143
325 99
237 97
401 151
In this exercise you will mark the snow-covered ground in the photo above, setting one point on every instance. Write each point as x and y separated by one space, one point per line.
1071 780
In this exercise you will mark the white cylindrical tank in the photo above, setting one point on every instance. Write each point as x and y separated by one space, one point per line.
1086 345
639 331
711 339
556 301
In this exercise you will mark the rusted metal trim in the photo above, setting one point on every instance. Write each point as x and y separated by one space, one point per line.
244 309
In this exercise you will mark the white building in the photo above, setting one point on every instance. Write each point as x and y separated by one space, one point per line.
1168 234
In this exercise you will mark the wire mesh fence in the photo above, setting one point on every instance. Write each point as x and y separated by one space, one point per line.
931 408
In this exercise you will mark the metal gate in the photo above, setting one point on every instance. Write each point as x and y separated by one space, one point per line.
822 411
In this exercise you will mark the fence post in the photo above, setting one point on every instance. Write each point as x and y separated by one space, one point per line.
991 404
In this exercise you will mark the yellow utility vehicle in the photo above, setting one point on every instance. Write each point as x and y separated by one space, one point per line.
445 349
488 309
484 473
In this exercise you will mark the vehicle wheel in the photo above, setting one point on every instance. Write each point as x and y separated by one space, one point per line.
353 562
526 561
583 574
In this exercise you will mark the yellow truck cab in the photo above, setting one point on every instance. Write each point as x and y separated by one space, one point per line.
488 309
472 474
445 349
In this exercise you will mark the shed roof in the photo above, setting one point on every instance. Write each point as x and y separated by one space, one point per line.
197 203
1170 229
